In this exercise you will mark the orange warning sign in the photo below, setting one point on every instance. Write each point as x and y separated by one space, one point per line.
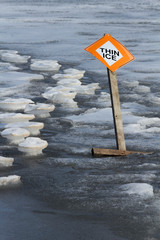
110 52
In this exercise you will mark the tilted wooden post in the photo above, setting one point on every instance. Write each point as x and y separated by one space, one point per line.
117 117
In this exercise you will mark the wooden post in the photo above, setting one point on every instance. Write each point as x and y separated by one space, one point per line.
118 125
117 117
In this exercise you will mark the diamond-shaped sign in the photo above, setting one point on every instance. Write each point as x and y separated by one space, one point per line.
110 52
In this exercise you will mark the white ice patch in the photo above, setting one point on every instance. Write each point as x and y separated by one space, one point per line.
10 181
14 58
88 89
140 189
153 99
150 122
15 117
32 146
11 79
142 89
75 72
15 135
132 97
70 82
61 95
12 104
5 67
70 104
40 109
134 107
44 65
143 125
134 128
69 73
94 116
130 84
6 161
7 51
132 124
32 127
104 100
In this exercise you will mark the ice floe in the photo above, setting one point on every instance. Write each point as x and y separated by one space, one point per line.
32 146
75 72
104 100
15 135
10 181
14 57
15 117
88 89
69 73
70 82
40 109
142 89
141 189
3 51
130 84
6 161
60 95
44 65
5 67
12 79
65 94
149 122
32 127
12 104
20 76
132 124
94 116
154 99
134 128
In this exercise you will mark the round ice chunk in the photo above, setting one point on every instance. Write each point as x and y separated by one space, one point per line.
141 189
32 146
15 135
10 181
15 117
7 67
40 109
69 73
130 84
70 104
32 127
14 58
45 65
88 89
75 72
6 161
59 94
12 104
142 89
69 82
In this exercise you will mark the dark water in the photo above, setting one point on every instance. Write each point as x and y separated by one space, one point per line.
66 193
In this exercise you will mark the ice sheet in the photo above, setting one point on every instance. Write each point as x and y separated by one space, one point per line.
12 104
15 135
32 146
10 181
6 161
44 65
141 189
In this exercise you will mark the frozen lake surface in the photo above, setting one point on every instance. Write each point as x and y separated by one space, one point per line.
65 192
